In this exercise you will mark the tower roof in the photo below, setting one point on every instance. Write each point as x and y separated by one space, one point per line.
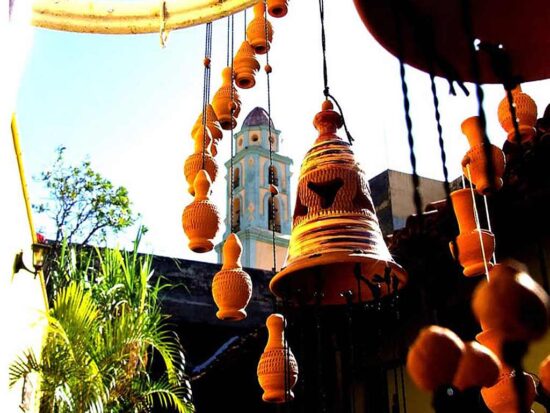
257 117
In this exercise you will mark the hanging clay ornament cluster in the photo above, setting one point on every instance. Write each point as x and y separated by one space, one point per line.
201 219
259 32
226 102
232 286
201 159
526 115
245 66
475 246
475 162
274 364
277 8
213 126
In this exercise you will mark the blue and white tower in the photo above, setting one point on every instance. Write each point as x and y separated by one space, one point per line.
252 207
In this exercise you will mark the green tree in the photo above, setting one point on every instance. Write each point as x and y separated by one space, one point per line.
84 205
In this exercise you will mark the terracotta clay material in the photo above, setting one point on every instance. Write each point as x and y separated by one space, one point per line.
478 367
213 125
271 368
201 219
277 8
526 115
476 159
257 30
231 286
245 66
194 163
502 397
544 374
222 102
434 357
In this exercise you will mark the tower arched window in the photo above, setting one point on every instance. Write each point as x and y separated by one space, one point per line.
236 218
273 175
236 178
274 216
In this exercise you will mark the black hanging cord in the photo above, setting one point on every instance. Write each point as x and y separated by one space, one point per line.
230 51
245 22
326 92
322 408
206 86
348 295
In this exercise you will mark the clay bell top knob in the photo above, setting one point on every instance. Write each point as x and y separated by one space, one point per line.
434 357
328 121
513 304
275 324
202 185
544 374
478 367
232 251
471 128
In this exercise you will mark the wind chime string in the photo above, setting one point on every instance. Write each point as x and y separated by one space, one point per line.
232 218
489 227
206 86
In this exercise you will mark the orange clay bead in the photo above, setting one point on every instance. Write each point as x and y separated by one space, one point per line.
207 62
268 69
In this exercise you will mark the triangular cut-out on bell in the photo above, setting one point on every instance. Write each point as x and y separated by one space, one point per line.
336 244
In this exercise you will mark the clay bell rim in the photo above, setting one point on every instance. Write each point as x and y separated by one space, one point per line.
278 283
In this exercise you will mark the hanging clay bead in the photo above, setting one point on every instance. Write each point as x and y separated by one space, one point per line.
526 115
478 367
222 103
232 287
470 254
271 368
476 158
194 163
513 304
434 357
213 126
544 374
201 219
256 30
277 8
245 66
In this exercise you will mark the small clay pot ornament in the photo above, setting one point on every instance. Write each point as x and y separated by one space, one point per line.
201 219
277 8
245 66
213 125
513 304
476 159
544 374
478 367
471 256
257 30
223 104
271 368
434 357
526 115
502 397
232 287
194 163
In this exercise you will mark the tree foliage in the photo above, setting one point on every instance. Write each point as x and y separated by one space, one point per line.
84 205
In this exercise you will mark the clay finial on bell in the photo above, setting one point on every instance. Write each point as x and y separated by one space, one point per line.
274 364
232 287
277 8
526 115
335 232
257 30
474 163
223 104
201 219
245 66
194 163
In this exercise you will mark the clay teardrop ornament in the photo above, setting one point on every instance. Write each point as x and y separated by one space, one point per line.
257 30
223 104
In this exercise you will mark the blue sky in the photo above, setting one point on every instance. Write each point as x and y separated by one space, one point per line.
129 106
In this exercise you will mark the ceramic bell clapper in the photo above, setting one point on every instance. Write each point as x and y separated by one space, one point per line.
245 66
232 287
277 8
526 115
272 369
213 126
223 104
200 159
201 219
335 232
473 254
476 162
259 32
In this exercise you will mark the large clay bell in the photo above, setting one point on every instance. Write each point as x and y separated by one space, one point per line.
336 239
200 159
232 286
201 218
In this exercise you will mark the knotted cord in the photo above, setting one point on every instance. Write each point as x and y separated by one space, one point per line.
206 86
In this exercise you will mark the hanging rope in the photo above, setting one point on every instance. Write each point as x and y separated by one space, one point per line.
478 226
206 86
489 227
232 222
403 389
326 92
245 23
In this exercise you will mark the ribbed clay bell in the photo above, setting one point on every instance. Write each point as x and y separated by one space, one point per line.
194 163
470 240
245 66
223 104
232 287
277 8
272 369
213 126
257 30
201 218
476 159
526 115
